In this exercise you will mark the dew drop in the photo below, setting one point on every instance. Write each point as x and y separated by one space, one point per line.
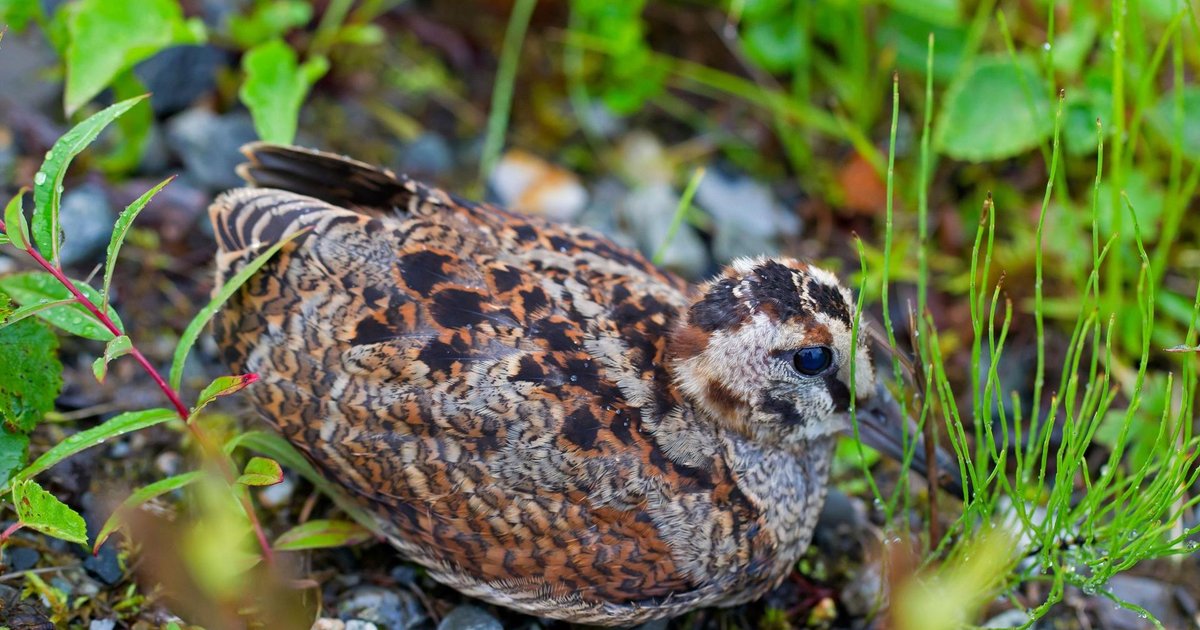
1046 46
39 179
574 378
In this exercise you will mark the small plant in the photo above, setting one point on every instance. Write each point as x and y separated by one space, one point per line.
49 297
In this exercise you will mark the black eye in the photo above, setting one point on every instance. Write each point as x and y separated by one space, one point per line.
812 360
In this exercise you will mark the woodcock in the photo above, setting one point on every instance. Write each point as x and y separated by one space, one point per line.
540 417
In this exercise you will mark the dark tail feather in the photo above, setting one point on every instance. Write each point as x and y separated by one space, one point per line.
335 179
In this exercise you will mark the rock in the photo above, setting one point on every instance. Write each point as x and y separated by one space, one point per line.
389 610
325 623
1156 597
748 220
87 223
27 56
468 617
1012 618
208 145
426 157
642 159
359 624
529 184
176 77
21 558
657 624
646 213
102 624
8 155
105 566
279 494
168 463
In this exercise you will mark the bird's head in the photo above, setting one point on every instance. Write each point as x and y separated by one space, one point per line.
766 350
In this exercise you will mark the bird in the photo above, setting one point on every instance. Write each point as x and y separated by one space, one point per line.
540 417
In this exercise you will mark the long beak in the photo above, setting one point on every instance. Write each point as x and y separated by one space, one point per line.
881 424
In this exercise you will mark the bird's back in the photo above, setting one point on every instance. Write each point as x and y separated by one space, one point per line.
493 386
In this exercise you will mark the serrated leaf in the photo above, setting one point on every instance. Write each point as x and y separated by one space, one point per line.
192 332
275 87
116 347
112 428
282 451
14 222
997 111
260 471
223 386
120 229
322 534
138 498
106 38
47 184
13 448
38 287
32 375
42 511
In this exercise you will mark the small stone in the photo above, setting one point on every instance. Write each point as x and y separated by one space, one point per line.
21 558
643 160
168 463
647 214
325 623
279 494
359 624
529 184
1156 597
102 624
748 220
176 77
468 617
105 566
209 145
1012 618
389 610
426 157
87 223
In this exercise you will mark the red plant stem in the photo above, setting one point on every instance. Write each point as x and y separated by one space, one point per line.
181 409
12 529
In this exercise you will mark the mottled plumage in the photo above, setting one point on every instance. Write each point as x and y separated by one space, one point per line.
542 418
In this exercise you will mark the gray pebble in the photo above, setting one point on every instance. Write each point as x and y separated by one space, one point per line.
359 624
647 213
21 558
748 220
387 609
176 77
467 617
208 145
102 624
87 222
428 156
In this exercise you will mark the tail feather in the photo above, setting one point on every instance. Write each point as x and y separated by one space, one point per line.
335 179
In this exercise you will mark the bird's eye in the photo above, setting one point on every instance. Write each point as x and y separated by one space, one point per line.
812 360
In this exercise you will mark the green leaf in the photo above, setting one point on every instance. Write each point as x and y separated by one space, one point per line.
322 534
1162 121
48 182
121 228
140 497
17 13
42 511
192 332
37 287
281 450
32 375
133 128
116 347
223 386
106 38
13 448
261 471
112 428
275 88
775 44
269 20
14 222
997 111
